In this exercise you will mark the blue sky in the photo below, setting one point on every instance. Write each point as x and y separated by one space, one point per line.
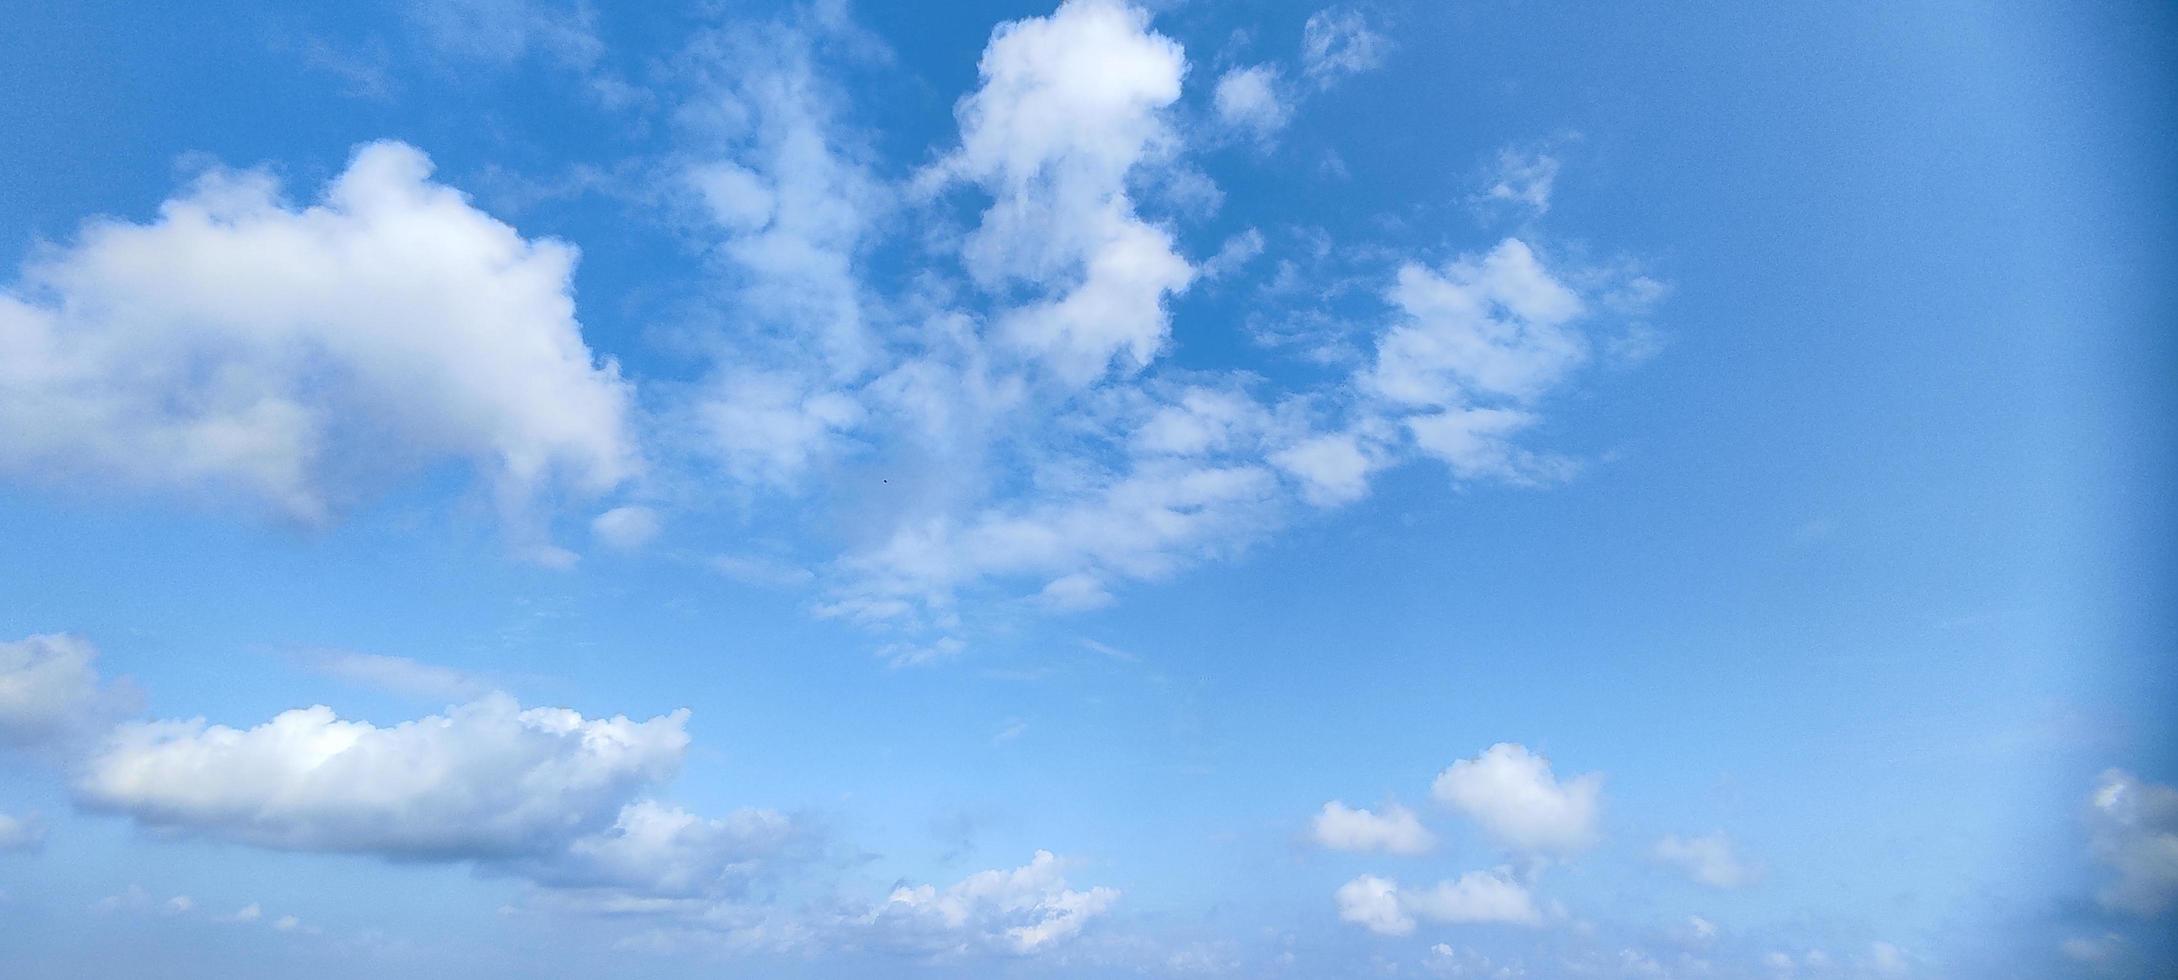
1465 489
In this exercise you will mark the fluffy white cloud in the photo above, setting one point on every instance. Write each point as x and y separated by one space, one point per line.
1513 795
50 691
485 780
304 354
1249 99
1070 105
1338 41
1395 830
1709 859
1023 910
2133 830
24 833
1490 327
1382 906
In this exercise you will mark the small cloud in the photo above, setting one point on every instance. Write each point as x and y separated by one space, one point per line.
1013 730
1338 41
626 528
1251 100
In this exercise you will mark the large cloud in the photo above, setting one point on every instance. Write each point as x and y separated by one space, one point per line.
1512 794
484 780
305 354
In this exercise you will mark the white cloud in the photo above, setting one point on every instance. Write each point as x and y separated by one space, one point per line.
1069 106
1333 469
1249 99
24 833
1709 859
1524 179
50 692
1233 255
484 780
1887 959
626 528
1024 910
1495 326
302 355
1338 41
2133 831
1373 903
653 849
1382 906
1394 831
1513 795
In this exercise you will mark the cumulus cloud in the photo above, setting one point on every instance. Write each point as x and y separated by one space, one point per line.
485 780
1512 795
302 355
1394 831
1382 906
1024 910
2133 831
50 692
1709 859
1249 99
654 849
1069 107
1338 41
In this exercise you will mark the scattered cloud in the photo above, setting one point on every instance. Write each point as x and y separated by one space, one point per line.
397 675
1394 831
626 528
1522 178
